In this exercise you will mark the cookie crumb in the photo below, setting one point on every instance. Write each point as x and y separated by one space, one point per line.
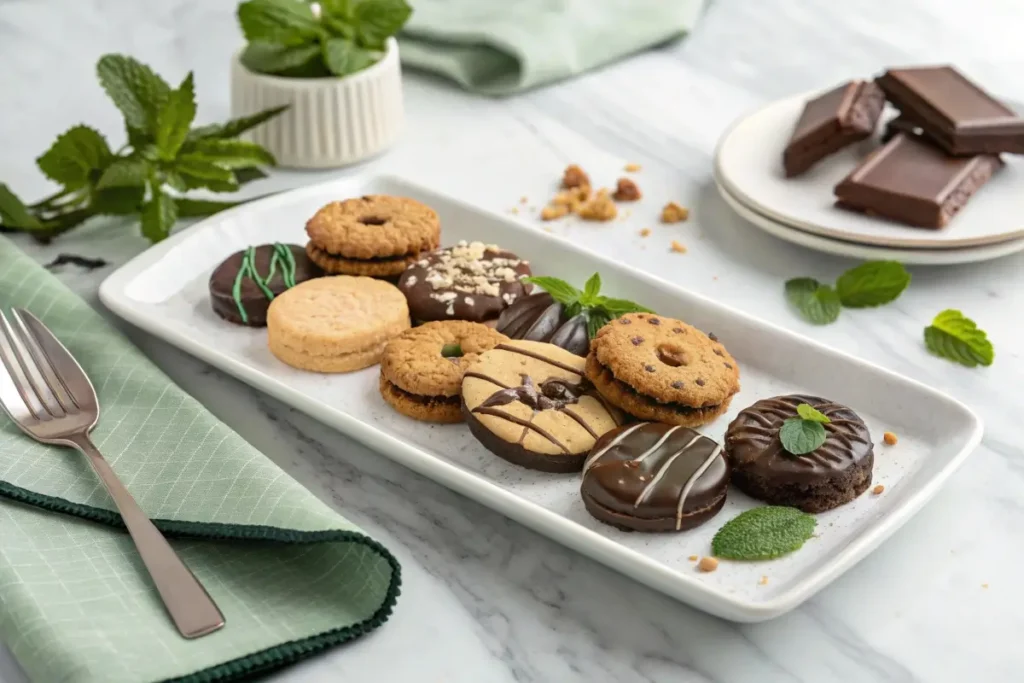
692 558
514 210
878 489
890 439
523 199
674 213
598 208
984 585
763 581
632 168
574 176
626 191
645 232
547 229
707 564
572 198
678 247
553 212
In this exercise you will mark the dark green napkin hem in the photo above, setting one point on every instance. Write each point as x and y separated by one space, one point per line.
257 662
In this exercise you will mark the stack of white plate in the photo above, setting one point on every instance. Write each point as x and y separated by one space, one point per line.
748 172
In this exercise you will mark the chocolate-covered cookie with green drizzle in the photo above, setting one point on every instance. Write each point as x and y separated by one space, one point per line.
242 287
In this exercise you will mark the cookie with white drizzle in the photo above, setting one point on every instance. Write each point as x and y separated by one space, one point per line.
652 476
529 403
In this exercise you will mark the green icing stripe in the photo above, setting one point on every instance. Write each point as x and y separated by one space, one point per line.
282 255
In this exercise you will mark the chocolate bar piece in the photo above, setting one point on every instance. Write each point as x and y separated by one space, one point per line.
832 121
912 182
954 112
901 124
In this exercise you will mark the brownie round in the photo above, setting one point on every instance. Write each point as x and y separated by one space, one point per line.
835 473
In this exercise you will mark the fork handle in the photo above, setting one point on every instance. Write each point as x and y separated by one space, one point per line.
193 611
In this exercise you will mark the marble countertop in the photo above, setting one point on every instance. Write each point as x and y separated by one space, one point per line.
485 599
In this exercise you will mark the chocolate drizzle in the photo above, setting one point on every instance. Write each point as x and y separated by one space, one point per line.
550 361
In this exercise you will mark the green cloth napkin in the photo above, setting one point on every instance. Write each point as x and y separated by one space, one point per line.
76 605
499 48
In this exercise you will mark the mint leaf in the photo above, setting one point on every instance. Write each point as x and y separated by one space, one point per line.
872 284
591 288
175 117
76 153
343 57
338 27
618 307
800 436
336 8
135 89
198 172
377 20
233 153
268 58
596 319
763 533
158 216
817 303
560 290
192 208
117 201
234 127
248 175
125 172
14 213
282 22
957 338
451 351
809 412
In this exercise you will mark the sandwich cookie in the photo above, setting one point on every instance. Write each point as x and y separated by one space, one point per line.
244 284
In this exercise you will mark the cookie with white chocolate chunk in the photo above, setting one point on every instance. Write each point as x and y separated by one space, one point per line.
470 281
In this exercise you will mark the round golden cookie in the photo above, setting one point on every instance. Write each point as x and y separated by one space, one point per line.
421 369
375 226
335 324
661 369
529 403
339 265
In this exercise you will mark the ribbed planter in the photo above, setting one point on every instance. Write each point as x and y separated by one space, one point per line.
331 122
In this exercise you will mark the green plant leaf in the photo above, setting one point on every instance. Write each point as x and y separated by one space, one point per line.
343 57
872 284
618 307
198 172
249 174
125 172
74 156
175 118
800 436
159 215
817 303
592 288
560 290
763 533
596 319
233 153
234 127
377 20
281 22
336 8
809 412
118 201
135 89
267 58
338 27
14 213
957 338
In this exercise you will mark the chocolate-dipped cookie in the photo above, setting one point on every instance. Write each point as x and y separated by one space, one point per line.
470 281
538 317
651 476
835 473
529 403
244 284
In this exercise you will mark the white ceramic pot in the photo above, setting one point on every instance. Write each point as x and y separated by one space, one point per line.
331 121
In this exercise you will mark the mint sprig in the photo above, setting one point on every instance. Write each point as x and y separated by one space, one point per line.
164 157
957 338
818 303
872 283
763 533
806 432
287 38
599 309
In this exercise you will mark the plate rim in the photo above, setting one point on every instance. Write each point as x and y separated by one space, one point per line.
661 577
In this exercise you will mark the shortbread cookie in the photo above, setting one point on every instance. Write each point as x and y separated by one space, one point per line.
421 369
529 403
470 281
335 324
660 369
374 235
244 284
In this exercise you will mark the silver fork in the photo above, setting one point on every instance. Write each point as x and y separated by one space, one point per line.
48 395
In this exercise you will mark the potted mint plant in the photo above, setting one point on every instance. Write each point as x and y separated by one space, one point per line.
334 64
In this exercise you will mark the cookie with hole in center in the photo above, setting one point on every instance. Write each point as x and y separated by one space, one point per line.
661 369
421 369
375 235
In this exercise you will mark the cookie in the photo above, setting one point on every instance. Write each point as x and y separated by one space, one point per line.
421 369
660 369
538 317
470 281
834 474
335 324
529 403
652 476
244 284
376 235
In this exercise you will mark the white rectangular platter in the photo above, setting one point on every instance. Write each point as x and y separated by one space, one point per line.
164 291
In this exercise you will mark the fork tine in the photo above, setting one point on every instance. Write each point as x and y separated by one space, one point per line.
17 377
65 367
32 371
45 365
